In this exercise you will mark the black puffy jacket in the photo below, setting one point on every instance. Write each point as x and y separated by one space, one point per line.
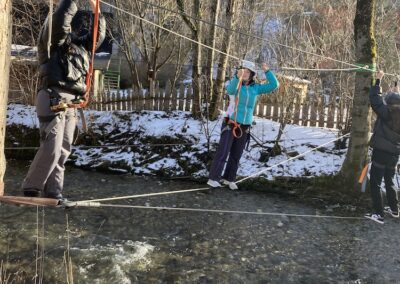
69 53
383 138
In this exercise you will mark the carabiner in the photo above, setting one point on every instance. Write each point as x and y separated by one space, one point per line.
237 126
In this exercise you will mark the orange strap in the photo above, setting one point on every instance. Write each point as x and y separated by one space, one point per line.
90 72
363 174
236 125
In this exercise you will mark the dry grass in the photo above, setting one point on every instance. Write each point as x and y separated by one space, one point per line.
5 277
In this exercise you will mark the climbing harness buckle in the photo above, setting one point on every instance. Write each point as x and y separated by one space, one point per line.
61 106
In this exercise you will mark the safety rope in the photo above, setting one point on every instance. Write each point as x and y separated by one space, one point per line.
89 75
67 254
325 69
292 158
256 139
49 27
109 146
224 211
170 31
37 246
244 34
235 124
39 255
141 195
83 202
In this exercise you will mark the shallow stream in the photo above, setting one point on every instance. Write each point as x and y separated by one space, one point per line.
125 245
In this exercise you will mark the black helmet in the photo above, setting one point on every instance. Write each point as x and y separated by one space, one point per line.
392 99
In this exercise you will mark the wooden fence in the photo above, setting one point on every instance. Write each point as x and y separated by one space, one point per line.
311 111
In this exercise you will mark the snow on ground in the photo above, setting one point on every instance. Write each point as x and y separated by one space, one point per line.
179 125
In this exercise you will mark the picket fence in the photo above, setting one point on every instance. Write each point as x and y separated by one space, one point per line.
312 111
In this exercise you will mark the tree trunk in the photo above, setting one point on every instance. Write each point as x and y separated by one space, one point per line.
223 60
126 47
211 53
196 109
5 51
196 29
361 114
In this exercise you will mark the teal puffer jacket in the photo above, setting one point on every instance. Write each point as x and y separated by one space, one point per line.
248 96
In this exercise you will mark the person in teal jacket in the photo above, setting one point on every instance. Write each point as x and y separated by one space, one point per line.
243 93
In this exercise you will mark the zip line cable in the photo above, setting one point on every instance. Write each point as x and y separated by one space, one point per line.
357 67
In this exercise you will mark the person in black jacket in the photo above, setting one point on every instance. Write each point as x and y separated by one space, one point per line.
385 143
64 64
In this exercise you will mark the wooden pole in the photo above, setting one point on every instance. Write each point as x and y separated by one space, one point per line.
5 54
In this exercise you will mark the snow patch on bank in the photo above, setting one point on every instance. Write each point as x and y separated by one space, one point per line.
135 128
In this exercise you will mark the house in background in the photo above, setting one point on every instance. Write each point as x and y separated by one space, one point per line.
24 65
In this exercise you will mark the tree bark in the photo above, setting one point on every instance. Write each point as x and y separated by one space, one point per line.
197 58
196 29
365 51
5 51
223 60
211 53
126 47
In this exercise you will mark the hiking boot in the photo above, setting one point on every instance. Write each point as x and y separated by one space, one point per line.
374 217
62 202
54 196
213 183
31 192
232 185
393 213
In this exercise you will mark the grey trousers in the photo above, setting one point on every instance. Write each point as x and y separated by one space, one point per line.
46 173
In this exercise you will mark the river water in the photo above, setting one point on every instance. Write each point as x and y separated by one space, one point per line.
125 245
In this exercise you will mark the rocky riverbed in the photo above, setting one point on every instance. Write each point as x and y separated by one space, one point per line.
127 245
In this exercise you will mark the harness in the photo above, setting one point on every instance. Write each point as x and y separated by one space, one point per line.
81 102
57 104
230 125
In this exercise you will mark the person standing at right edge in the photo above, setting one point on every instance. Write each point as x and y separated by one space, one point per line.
385 143
63 70
243 93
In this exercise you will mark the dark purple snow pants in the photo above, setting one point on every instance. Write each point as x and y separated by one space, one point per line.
232 146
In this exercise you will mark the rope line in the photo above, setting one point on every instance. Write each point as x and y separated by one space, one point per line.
248 35
325 69
50 27
226 211
142 195
293 158
37 246
107 146
206 188
170 31
258 173
167 145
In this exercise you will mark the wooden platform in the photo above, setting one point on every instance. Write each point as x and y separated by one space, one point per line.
33 201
